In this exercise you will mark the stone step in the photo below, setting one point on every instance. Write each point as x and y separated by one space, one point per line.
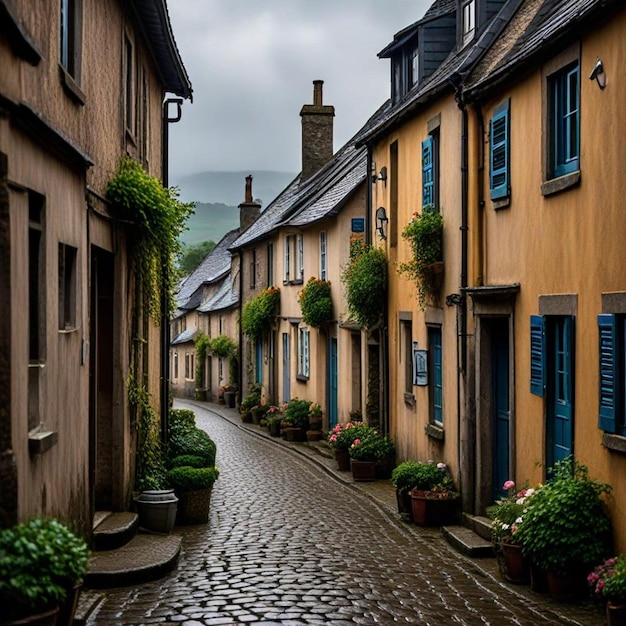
467 541
479 524
144 558
113 530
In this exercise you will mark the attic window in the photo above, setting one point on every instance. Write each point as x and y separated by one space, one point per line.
469 20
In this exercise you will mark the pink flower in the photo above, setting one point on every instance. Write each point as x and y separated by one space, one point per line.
333 438
509 484
356 442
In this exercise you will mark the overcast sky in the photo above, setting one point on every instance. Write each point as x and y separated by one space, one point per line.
252 64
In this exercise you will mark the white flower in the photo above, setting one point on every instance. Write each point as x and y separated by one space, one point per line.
441 466
519 520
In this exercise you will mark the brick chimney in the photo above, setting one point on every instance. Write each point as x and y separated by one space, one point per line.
317 133
249 210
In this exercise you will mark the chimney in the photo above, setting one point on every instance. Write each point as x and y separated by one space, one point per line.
249 210
317 133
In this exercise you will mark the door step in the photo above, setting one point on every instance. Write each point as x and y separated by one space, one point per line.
113 530
466 541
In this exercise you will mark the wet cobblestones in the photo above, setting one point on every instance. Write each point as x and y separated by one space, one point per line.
288 544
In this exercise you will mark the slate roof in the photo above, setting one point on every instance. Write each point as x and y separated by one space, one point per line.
539 27
186 336
224 298
322 195
214 266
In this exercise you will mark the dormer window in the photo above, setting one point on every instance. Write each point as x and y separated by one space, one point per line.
468 8
414 74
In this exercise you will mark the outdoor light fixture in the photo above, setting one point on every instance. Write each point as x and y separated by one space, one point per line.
598 73
382 175
381 222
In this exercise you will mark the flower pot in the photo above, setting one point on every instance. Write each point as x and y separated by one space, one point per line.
516 568
343 460
157 510
538 579
430 509
313 435
294 434
48 618
246 417
615 614
229 399
274 428
363 470
193 506
257 412
403 499
566 586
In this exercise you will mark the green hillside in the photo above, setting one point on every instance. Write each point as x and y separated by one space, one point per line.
210 222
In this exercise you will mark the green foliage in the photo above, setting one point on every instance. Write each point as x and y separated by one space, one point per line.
372 446
566 525
297 413
259 312
252 399
316 303
224 347
202 344
365 279
342 436
192 256
158 218
182 418
424 233
150 469
190 460
39 560
421 476
509 514
185 438
187 478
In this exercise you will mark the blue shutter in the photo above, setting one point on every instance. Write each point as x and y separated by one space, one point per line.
608 372
428 172
499 157
537 355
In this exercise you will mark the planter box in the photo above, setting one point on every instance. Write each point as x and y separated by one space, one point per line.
193 507
363 470
433 511
294 434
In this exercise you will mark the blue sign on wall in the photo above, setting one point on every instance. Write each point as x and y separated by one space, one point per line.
358 224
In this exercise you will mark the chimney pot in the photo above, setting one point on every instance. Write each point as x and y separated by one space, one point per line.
317 92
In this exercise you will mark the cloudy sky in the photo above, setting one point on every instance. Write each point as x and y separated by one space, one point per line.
252 64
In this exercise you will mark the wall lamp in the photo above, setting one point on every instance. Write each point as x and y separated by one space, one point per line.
598 74
381 222
382 175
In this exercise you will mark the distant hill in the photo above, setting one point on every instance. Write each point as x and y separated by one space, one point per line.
218 196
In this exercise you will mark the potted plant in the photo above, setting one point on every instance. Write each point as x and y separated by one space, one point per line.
274 418
369 453
193 485
507 521
42 567
202 344
424 233
404 478
607 583
433 499
567 528
251 400
341 437
316 303
296 419
224 347
314 433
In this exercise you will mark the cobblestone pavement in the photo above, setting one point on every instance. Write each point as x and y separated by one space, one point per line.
288 544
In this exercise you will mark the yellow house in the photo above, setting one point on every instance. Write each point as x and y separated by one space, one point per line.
82 85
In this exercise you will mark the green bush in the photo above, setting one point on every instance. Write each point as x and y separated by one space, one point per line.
186 439
223 346
188 478
258 313
316 303
39 560
297 413
183 417
252 399
373 447
342 436
189 460
421 476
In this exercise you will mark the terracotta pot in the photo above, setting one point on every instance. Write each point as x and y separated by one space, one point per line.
343 460
363 470
516 569
193 506
433 511
615 614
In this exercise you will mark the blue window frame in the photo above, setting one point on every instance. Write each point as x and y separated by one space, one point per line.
565 104
499 168
259 362
612 362
436 368
428 172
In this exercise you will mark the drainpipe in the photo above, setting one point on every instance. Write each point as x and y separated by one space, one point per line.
165 321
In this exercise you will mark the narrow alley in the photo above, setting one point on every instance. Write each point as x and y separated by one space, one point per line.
287 543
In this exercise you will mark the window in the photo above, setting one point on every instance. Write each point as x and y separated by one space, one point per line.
612 360
70 44
270 264
67 287
323 260
430 171
406 355
253 269
293 271
300 257
143 123
175 365
189 365
565 121
129 86
259 361
435 366
468 10
287 259
303 352
413 67
499 153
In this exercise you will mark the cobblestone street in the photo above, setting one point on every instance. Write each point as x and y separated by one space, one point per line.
287 543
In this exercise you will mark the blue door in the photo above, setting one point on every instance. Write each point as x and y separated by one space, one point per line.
286 368
332 383
559 427
501 406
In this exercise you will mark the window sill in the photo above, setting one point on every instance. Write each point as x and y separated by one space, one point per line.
435 431
299 281
302 378
41 441
616 443
68 331
409 399
501 203
562 183
71 87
